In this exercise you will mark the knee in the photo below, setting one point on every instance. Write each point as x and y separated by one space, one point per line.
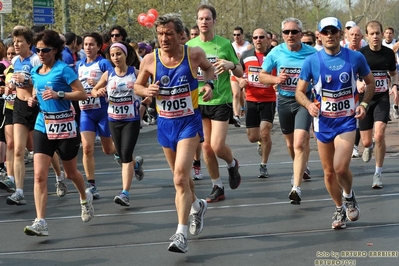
10 145
329 177
19 152
379 137
180 181
88 150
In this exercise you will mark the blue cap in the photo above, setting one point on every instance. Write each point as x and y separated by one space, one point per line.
330 21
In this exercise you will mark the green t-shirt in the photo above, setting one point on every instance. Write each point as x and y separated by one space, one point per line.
217 48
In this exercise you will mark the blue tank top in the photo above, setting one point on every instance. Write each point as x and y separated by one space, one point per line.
338 97
178 88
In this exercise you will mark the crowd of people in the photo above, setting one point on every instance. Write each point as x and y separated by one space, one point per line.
62 91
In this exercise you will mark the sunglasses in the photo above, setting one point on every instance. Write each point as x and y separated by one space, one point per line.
308 43
43 50
115 35
260 37
293 32
330 31
237 34
348 28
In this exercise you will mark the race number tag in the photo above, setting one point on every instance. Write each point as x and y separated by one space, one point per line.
200 75
121 107
381 80
90 103
60 125
336 104
292 80
175 101
253 77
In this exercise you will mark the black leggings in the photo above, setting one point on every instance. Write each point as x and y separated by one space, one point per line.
125 135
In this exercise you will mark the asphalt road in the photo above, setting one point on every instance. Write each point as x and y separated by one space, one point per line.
255 225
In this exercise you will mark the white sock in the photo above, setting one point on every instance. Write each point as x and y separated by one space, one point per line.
378 170
12 178
60 177
232 164
195 207
20 191
182 229
217 182
348 196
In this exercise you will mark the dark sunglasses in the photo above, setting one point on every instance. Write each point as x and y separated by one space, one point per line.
308 43
293 32
237 34
115 35
260 37
330 31
43 50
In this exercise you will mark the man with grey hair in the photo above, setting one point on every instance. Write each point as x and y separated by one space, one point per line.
179 119
295 121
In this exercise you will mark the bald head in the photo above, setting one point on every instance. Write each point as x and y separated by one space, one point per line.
261 40
355 37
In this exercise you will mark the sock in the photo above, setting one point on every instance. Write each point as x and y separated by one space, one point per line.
125 192
195 207
348 196
378 170
217 182
263 164
182 229
341 207
60 177
197 163
232 164
20 191
295 187
92 182
12 178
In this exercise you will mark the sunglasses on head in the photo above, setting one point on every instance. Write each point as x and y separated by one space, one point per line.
293 32
237 34
260 37
43 50
115 35
329 31
308 43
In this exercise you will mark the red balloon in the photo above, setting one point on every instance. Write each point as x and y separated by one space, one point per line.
142 19
149 25
150 18
153 11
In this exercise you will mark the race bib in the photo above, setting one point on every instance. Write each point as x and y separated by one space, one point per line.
121 107
381 80
90 103
253 77
175 102
60 125
200 75
292 80
336 104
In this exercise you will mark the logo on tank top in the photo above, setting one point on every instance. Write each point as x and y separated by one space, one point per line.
165 80
328 78
183 79
26 68
344 77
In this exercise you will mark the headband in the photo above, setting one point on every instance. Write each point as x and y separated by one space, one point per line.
117 44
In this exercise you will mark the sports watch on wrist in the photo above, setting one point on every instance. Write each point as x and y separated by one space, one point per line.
61 94
210 82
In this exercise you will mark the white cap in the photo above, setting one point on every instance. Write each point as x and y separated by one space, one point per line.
350 24
329 21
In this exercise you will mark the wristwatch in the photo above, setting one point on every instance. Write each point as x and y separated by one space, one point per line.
210 82
61 94
364 105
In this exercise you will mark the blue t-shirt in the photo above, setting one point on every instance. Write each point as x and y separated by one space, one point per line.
280 57
311 66
67 57
59 79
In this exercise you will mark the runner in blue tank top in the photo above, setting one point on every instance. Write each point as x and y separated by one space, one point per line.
334 106
174 68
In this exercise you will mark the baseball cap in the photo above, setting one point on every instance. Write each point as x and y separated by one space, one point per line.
350 24
330 21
